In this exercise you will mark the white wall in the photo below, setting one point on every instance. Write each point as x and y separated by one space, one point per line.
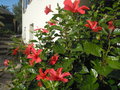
34 14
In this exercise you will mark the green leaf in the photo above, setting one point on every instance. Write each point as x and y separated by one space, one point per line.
57 15
116 31
56 83
117 50
91 48
56 27
88 79
94 73
95 14
84 70
117 22
58 48
90 87
42 88
78 48
115 40
113 62
21 87
31 70
69 84
111 82
66 64
33 41
47 83
88 83
114 87
101 68
108 8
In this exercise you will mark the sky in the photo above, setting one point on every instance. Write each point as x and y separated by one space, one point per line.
9 3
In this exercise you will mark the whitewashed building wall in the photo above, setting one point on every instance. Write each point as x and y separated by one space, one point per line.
33 15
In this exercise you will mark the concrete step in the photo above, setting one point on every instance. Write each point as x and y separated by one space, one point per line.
5 38
5 47
6 35
4 52
6 42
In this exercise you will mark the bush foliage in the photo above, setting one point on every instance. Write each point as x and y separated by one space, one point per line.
78 49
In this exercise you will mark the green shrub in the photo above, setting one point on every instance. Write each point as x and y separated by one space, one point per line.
86 48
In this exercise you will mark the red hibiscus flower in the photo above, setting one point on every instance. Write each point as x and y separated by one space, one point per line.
31 62
28 49
51 23
93 25
54 59
6 62
42 30
110 25
40 84
34 56
74 7
42 75
48 9
15 51
58 75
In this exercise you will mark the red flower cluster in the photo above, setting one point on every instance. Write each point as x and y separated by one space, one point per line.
27 51
51 74
34 56
42 75
58 75
74 7
15 51
93 25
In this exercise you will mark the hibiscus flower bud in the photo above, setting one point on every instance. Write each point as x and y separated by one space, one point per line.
54 59
47 9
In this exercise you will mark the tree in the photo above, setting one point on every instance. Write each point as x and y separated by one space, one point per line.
1 23
17 10
5 7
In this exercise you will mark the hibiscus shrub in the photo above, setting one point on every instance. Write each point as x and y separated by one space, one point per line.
78 49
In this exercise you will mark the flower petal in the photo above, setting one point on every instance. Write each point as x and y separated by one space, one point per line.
64 80
30 56
87 25
31 62
59 70
38 77
65 74
76 4
39 51
84 7
68 5
38 60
